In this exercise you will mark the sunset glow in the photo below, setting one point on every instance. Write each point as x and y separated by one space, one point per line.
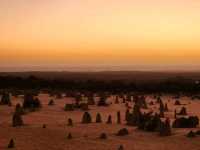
100 32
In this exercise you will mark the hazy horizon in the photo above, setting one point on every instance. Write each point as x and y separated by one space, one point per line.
98 68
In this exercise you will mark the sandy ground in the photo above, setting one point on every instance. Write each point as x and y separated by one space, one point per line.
33 137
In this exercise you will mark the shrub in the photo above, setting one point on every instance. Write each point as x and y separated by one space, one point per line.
165 128
103 136
5 99
102 101
191 134
84 106
91 100
182 122
31 103
198 132
122 132
151 123
135 117
69 107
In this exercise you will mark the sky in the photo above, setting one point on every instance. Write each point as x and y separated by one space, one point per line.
99 35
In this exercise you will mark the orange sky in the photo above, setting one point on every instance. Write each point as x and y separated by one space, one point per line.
100 32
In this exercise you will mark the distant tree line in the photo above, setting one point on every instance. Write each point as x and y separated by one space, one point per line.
172 85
